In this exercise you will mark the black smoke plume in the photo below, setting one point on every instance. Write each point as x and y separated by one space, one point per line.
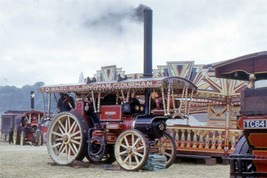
115 19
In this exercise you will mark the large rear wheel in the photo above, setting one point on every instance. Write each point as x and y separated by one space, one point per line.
131 150
67 136
166 146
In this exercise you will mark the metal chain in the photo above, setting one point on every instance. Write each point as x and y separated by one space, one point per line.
43 100
93 100
49 104
190 101
117 97
173 102
98 102
181 103
186 102
163 101
168 98
123 97
128 96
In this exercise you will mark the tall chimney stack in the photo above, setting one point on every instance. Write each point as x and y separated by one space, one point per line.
32 99
148 13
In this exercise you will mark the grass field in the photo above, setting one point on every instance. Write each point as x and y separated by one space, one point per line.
30 162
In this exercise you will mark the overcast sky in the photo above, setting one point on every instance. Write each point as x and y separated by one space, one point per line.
55 40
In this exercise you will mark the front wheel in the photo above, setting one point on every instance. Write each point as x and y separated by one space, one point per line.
39 138
67 138
16 135
22 137
131 150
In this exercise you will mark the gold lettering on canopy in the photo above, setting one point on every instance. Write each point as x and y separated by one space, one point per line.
96 86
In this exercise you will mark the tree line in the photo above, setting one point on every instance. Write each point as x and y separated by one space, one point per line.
14 98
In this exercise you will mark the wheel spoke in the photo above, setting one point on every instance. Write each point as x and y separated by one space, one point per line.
75 148
67 152
74 141
132 139
72 149
76 138
58 139
126 141
168 155
61 127
126 159
58 134
61 147
124 146
137 140
75 133
68 124
61 131
62 151
74 125
123 152
57 144
140 148
136 159
130 160
139 154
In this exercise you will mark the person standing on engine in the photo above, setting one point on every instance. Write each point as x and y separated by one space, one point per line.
134 103
65 102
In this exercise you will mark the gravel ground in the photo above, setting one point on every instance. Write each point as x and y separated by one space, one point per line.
30 162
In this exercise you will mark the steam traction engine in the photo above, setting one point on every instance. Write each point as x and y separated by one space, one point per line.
28 128
250 156
110 124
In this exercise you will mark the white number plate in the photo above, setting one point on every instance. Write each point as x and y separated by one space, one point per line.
251 124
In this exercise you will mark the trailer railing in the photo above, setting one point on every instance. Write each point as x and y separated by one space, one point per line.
205 140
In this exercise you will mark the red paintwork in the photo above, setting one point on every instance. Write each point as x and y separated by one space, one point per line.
115 121
260 160
258 140
79 109
243 65
110 113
